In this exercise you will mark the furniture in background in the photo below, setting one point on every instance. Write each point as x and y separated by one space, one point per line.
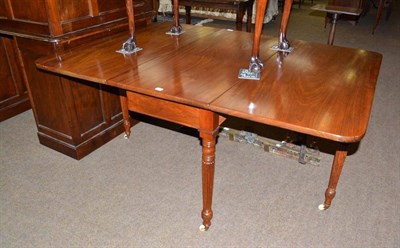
14 97
272 11
382 4
71 117
336 11
355 4
299 2
294 2
239 6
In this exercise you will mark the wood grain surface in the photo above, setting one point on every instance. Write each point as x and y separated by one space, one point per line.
317 89
320 90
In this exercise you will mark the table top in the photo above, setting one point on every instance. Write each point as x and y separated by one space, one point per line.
321 90
325 91
194 68
331 8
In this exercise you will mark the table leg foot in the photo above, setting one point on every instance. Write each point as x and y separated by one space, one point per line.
206 215
127 125
323 206
337 167
203 228
176 28
125 113
255 64
283 42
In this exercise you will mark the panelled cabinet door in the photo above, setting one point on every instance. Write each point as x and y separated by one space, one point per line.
13 94
71 117
53 18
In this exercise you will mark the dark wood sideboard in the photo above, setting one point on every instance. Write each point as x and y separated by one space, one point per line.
356 4
72 117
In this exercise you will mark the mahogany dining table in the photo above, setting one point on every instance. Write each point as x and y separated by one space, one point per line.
192 79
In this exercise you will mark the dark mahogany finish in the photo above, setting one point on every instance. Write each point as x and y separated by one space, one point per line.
30 29
191 79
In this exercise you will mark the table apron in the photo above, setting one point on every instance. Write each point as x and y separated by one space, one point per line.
167 110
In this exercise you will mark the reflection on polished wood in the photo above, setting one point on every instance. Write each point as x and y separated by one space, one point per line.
319 90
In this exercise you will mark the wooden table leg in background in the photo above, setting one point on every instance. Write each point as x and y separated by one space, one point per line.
209 128
334 11
337 166
249 17
188 15
331 38
379 13
239 19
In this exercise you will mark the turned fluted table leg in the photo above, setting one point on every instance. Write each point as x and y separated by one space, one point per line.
208 133
125 113
337 166
249 13
208 167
